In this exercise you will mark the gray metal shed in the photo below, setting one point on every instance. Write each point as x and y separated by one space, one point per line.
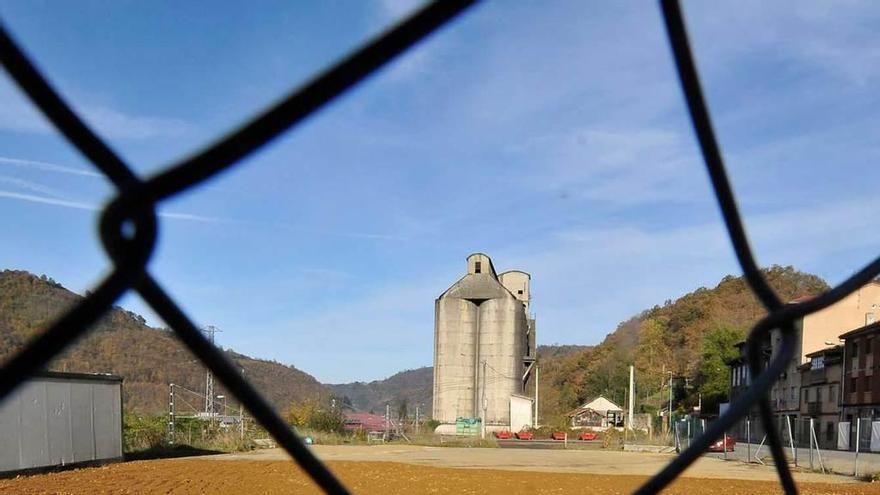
57 419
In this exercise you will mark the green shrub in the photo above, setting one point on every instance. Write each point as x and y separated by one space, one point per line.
311 415
143 432
612 439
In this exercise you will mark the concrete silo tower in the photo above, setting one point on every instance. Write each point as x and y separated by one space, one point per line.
484 348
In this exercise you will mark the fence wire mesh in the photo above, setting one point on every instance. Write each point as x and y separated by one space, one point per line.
128 230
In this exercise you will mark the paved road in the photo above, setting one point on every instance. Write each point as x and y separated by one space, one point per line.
837 461
549 444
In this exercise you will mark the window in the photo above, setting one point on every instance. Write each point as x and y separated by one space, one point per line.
478 267
817 363
868 342
852 384
832 393
793 394
868 383
854 349
818 394
829 432
520 292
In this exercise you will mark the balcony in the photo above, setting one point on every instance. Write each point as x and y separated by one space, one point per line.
817 376
814 408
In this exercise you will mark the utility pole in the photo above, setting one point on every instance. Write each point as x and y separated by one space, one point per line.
210 330
483 404
670 401
241 420
537 368
417 418
171 415
387 419
632 396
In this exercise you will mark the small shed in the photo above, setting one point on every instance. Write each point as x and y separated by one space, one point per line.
58 419
521 408
597 413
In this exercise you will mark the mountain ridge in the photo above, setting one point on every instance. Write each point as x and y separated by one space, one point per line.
121 343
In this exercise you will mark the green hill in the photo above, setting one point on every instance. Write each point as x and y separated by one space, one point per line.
121 343
689 337
410 386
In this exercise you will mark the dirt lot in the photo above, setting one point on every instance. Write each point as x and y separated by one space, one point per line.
550 461
198 476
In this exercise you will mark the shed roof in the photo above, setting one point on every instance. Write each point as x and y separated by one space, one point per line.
601 404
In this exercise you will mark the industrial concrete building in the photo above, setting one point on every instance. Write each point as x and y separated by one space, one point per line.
484 348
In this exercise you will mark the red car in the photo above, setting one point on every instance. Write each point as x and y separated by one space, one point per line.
559 435
727 443
503 435
588 435
525 435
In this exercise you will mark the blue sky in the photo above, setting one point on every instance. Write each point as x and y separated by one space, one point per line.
551 135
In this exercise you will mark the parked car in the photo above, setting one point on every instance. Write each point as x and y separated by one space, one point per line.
525 435
503 435
726 443
558 435
588 435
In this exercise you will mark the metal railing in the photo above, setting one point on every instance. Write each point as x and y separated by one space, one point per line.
128 229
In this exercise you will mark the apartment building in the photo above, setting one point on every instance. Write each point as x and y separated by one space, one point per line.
820 390
813 333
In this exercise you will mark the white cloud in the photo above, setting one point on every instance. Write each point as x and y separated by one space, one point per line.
32 198
838 39
78 205
417 61
30 186
50 167
18 114
585 281
618 167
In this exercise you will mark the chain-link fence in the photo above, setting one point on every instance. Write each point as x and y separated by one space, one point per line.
128 229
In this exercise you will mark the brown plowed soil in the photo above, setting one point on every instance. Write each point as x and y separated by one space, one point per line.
200 476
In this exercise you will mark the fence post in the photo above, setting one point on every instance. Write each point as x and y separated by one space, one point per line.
675 432
818 452
858 437
811 444
791 440
689 432
723 443
748 440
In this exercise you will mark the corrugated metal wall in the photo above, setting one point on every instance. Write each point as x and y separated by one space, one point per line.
61 419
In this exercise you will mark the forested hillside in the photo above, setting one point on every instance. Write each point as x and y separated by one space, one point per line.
691 337
413 387
410 387
121 343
